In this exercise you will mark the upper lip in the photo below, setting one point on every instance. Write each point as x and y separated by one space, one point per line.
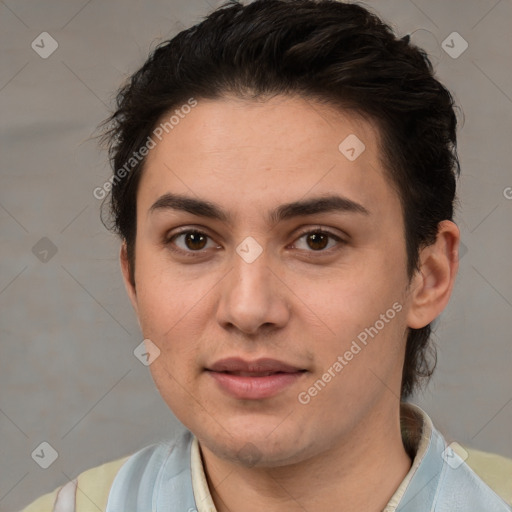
263 365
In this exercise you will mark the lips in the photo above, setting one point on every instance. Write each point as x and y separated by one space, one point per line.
260 367
253 380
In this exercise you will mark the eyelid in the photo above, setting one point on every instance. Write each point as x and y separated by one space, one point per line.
203 230
340 236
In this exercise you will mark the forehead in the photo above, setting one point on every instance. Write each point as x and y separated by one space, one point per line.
246 153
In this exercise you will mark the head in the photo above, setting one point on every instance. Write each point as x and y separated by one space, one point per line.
256 122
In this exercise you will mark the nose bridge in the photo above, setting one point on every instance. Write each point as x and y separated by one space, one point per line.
251 262
250 296
251 278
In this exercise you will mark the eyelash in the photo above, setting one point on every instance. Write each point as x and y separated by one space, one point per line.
169 241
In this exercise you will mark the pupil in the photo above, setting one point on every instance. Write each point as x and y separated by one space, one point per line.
317 241
195 240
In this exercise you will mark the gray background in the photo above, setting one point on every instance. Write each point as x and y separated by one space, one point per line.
68 375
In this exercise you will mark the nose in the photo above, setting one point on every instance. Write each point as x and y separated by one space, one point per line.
252 298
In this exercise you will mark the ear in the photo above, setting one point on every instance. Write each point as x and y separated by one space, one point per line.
432 284
128 283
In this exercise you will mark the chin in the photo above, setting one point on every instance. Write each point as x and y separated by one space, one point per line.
255 442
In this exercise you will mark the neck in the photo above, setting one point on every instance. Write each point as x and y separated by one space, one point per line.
360 472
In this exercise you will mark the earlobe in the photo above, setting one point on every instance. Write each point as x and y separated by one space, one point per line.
432 285
127 276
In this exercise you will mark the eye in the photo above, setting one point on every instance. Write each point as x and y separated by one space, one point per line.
191 241
318 241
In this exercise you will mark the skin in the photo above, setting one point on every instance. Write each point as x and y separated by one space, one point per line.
295 303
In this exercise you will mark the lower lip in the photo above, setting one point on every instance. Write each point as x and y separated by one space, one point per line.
254 388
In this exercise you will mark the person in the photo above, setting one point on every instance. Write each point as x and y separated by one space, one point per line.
284 177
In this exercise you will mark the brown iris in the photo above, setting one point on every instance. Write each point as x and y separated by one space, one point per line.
195 241
317 241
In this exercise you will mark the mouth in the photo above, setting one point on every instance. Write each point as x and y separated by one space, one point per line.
236 365
253 380
256 374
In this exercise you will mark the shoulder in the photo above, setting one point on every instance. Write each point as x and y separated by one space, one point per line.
493 469
91 486
466 476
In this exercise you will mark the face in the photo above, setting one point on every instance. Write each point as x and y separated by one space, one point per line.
271 275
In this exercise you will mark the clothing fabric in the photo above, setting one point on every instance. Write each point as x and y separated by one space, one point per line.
170 477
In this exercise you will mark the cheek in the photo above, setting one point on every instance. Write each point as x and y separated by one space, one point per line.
165 297
360 312
172 313
349 300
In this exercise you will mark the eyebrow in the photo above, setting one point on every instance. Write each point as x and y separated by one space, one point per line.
203 208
